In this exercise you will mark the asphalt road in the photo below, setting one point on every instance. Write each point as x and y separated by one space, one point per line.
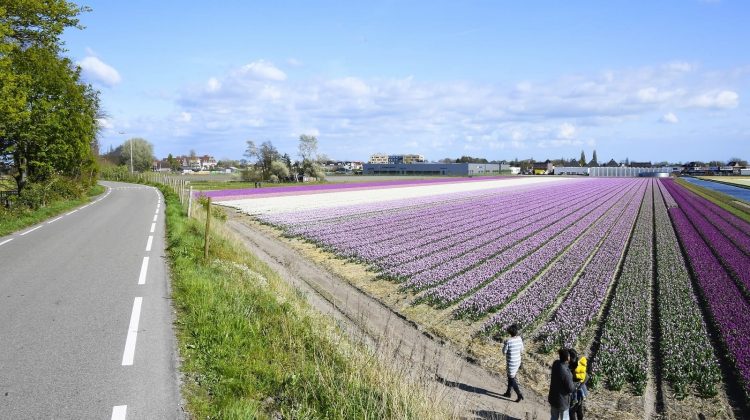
80 338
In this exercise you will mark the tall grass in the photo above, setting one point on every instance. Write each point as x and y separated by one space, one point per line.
252 348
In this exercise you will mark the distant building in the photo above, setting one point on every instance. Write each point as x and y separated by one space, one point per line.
381 158
543 168
454 169
612 164
640 164
572 170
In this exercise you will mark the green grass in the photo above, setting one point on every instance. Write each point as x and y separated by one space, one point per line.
12 221
251 347
722 200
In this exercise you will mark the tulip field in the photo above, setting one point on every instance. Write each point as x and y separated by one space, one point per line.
640 270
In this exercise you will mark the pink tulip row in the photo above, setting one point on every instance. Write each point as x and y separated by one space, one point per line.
529 257
533 302
583 303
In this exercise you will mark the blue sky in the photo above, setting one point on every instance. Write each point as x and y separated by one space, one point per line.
664 80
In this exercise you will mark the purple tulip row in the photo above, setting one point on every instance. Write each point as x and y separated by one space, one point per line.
498 254
583 303
725 302
668 200
536 300
511 281
733 258
623 355
686 355
712 214
415 260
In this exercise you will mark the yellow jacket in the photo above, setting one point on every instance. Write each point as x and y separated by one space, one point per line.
580 374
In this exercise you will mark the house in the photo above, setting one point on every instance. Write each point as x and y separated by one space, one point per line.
543 168
736 167
640 164
612 164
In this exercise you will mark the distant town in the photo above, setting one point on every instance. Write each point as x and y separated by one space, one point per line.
417 164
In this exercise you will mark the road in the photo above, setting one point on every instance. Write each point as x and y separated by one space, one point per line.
85 314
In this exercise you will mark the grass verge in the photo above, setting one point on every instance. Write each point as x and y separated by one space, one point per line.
12 221
251 347
722 200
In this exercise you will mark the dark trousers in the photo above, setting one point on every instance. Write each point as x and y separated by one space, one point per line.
513 383
576 412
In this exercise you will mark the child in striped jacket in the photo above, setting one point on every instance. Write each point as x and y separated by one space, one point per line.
512 349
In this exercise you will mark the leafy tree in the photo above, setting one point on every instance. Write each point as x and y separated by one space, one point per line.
48 116
594 161
143 154
268 154
582 159
740 161
308 152
279 170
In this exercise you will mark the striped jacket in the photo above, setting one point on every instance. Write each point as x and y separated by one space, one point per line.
512 349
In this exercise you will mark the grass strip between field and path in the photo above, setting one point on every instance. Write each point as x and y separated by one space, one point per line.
722 200
13 221
251 347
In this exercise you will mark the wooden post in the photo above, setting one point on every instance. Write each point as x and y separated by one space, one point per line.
190 201
208 228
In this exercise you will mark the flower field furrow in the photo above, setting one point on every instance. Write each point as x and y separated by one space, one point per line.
402 263
496 251
541 294
705 208
529 265
725 302
623 355
429 227
737 262
668 200
584 301
686 355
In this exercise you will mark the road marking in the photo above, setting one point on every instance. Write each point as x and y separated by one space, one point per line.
84 206
155 217
71 212
150 241
6 241
153 226
144 269
30 230
54 220
135 317
119 412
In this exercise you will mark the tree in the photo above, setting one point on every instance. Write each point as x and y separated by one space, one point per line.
143 154
594 161
268 154
279 169
446 160
308 152
48 116
740 161
582 160
174 164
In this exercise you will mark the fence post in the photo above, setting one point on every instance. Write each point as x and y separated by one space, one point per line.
208 228
190 201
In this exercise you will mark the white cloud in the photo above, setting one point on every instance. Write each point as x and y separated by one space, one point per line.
567 131
99 71
669 118
351 86
213 85
263 70
105 123
293 62
724 99
185 117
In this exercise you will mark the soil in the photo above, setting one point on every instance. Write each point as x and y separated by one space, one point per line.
469 369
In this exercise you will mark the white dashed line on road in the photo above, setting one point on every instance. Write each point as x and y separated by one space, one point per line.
5 241
149 242
71 212
155 216
144 269
54 220
119 412
30 230
153 226
135 317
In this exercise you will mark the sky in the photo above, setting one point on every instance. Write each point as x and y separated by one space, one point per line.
643 80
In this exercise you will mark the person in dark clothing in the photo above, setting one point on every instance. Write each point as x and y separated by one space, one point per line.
561 385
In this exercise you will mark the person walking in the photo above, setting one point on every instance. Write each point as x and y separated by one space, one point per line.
512 349
561 385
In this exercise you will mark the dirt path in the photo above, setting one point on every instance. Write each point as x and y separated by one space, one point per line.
470 390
